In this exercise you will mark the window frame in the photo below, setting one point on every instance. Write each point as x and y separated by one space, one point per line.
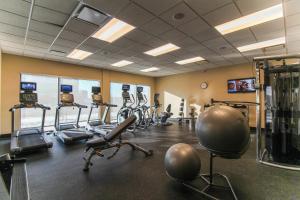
58 89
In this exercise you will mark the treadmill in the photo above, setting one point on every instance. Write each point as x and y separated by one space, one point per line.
28 139
99 126
69 132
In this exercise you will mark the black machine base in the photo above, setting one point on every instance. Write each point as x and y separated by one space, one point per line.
209 184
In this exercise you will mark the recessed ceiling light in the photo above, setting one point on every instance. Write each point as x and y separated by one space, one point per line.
253 19
122 63
260 45
151 69
79 54
190 60
162 49
113 30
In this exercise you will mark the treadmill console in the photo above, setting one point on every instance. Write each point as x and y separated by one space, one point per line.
27 95
66 97
96 96
125 93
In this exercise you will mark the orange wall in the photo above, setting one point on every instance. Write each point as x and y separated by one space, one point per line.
13 66
187 86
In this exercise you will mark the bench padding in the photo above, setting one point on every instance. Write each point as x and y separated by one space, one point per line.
116 132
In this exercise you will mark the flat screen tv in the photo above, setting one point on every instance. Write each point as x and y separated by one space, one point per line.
242 85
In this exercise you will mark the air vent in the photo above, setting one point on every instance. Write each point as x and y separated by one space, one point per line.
93 16
58 52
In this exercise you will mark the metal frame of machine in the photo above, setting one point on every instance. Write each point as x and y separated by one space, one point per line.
262 65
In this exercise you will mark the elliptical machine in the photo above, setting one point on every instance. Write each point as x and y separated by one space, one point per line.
160 119
142 110
28 139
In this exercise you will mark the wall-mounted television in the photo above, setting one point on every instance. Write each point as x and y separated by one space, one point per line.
241 85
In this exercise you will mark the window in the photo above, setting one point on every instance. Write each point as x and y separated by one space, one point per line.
47 89
48 93
82 95
116 97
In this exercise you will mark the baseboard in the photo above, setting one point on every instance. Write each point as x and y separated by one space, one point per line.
6 135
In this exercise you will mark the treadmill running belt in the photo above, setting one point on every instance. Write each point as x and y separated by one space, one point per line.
75 134
31 141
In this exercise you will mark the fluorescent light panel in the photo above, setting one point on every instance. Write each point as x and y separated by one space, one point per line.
190 60
264 44
113 30
162 49
151 69
79 54
253 19
122 63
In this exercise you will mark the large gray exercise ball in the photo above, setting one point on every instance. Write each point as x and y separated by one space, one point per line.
182 162
224 131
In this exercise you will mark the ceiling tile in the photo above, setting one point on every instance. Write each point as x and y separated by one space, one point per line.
204 6
11 50
172 36
193 27
88 48
96 43
123 42
11 38
182 8
138 36
111 7
49 16
157 6
154 42
72 36
40 36
58 5
139 48
10 18
292 7
207 35
293 47
48 29
135 15
269 30
293 20
247 7
186 42
222 15
37 43
293 33
240 38
81 27
156 27
16 6
10 29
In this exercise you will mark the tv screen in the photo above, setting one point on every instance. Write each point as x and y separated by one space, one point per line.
139 89
28 86
125 87
241 85
66 88
96 90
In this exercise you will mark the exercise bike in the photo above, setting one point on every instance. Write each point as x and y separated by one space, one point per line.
160 118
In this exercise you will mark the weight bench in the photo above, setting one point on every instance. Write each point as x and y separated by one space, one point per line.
112 140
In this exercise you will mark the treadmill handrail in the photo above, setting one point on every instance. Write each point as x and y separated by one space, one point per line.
61 105
22 105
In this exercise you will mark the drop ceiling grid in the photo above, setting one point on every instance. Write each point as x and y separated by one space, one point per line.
39 30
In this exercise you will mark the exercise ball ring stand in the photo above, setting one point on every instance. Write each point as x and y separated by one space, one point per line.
208 179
